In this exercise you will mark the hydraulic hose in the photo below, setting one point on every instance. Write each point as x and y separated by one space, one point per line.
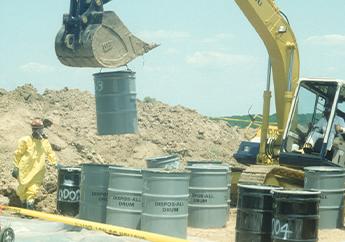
110 229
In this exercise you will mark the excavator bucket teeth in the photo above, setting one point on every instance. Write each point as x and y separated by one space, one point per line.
109 44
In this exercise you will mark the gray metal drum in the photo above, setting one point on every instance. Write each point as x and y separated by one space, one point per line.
165 202
93 192
295 216
208 188
124 197
116 102
330 182
229 191
168 161
235 176
198 162
228 201
215 162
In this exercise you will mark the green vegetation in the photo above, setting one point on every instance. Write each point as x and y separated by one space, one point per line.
243 121
149 100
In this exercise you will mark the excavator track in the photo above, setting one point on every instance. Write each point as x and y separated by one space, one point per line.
274 175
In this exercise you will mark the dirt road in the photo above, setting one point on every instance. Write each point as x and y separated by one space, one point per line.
228 234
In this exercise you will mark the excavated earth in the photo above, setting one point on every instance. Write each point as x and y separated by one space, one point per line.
163 129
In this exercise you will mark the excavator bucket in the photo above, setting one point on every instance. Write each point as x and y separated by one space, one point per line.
105 42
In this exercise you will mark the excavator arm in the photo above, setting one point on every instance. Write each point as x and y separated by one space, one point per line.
281 45
90 37
278 37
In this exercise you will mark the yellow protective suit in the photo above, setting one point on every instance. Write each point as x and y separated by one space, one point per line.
30 158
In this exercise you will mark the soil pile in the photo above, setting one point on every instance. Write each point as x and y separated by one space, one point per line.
163 129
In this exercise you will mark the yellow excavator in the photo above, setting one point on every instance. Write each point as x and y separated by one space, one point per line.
92 37
302 106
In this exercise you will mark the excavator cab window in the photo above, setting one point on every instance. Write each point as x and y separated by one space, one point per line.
338 145
309 132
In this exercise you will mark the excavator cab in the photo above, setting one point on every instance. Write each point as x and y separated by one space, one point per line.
314 135
92 37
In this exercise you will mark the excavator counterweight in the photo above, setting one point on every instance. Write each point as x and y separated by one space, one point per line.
91 37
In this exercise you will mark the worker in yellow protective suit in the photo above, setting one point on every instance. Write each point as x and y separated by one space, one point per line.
29 162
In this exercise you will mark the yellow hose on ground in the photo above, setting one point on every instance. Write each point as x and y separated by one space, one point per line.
110 229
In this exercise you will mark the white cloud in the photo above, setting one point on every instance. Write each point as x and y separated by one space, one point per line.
331 39
34 67
164 35
218 38
205 58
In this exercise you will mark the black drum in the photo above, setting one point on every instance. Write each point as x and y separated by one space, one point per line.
254 213
68 194
295 216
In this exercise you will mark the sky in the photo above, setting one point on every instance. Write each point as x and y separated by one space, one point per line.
210 58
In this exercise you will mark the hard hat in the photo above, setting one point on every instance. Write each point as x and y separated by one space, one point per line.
37 123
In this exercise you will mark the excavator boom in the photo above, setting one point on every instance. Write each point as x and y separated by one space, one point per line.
91 37
274 30
281 46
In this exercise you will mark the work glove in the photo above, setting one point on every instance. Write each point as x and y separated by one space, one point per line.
15 172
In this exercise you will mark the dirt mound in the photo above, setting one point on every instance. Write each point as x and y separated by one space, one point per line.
163 129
